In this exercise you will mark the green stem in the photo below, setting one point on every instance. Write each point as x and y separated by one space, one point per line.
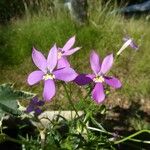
72 104
133 135
87 95
124 139
70 101
7 138
96 129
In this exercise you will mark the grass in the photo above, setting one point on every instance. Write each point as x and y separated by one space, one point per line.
104 34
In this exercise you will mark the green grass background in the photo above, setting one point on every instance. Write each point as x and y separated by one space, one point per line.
103 33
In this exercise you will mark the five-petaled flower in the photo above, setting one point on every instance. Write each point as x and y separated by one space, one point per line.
34 106
48 72
99 76
66 51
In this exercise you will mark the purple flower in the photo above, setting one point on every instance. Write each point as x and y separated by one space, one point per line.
66 51
132 44
47 72
34 106
128 42
98 76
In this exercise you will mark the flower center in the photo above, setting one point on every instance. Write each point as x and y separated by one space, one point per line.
48 76
98 79
59 55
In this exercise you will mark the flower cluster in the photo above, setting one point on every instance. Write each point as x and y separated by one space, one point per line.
99 76
34 106
57 67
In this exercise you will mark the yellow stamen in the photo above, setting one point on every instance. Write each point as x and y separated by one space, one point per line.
48 76
59 55
98 79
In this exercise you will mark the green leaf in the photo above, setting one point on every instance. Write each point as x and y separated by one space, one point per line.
9 97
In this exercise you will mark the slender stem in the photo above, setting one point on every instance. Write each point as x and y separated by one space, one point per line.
86 96
43 137
69 99
7 138
133 135
96 129
140 141
126 138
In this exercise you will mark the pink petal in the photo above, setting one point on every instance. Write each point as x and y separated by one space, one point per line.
39 60
112 81
134 45
71 51
83 79
52 58
62 63
98 93
106 64
35 77
69 44
95 62
66 74
49 89
91 76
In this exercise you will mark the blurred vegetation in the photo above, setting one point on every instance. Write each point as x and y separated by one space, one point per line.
10 10
45 26
17 8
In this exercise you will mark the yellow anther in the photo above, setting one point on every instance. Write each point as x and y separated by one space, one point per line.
48 76
59 55
98 79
